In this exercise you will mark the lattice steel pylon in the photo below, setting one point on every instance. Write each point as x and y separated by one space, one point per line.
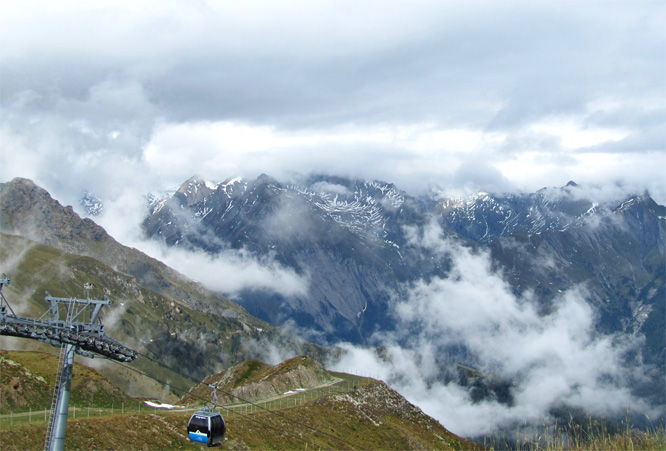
81 332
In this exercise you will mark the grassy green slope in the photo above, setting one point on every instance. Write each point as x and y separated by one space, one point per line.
358 413
27 380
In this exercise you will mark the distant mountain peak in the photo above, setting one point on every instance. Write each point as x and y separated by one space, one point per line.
196 182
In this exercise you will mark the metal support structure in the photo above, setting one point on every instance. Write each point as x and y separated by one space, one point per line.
56 440
214 394
81 328
81 332
54 399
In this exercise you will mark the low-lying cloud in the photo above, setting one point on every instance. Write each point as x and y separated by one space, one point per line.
232 271
552 360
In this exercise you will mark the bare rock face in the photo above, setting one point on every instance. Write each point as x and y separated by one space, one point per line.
344 237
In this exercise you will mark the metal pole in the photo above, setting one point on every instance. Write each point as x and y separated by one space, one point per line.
57 439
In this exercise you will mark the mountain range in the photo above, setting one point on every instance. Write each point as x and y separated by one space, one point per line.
361 247
356 235
344 236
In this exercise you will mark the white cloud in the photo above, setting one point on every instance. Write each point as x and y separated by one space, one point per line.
573 134
334 188
554 359
233 271
230 271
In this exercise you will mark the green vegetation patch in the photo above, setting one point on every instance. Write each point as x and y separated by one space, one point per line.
27 381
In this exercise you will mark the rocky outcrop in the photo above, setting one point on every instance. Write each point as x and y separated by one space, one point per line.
252 381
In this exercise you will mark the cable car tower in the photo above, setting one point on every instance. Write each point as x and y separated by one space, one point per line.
81 332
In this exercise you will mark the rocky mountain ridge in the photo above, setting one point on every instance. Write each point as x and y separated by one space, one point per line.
252 381
362 245
322 225
485 218
360 228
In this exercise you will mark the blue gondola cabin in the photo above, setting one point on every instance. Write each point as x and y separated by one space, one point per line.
206 428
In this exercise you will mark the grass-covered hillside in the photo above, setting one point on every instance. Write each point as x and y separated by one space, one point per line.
170 331
27 381
336 411
157 311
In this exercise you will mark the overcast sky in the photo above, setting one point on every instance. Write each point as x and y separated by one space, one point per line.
130 96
